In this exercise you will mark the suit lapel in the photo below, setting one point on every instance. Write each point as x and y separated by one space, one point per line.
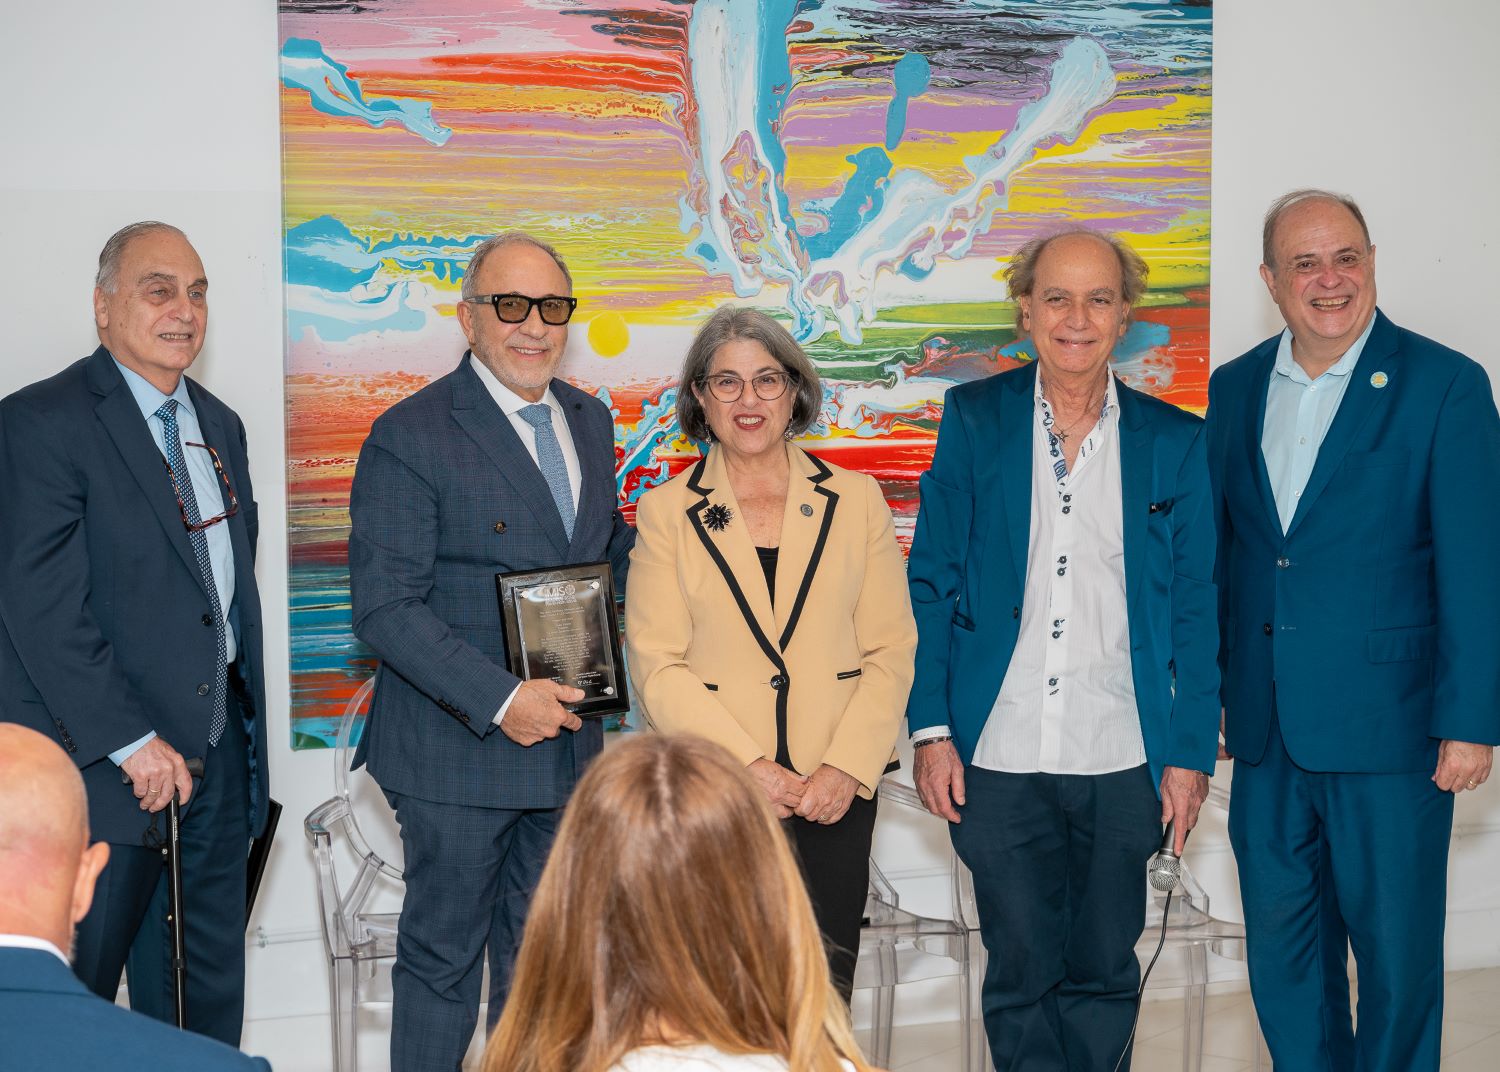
1359 400
479 416
715 517
810 506
217 436
1255 428
122 419
1137 450
1017 415
596 493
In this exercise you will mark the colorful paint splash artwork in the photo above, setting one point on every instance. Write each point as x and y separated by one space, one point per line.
861 169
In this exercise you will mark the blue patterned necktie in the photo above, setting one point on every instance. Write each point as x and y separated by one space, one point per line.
549 459
172 440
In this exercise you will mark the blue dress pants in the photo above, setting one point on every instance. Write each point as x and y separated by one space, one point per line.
1059 864
1330 860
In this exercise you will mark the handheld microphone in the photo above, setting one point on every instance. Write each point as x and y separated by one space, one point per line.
1165 869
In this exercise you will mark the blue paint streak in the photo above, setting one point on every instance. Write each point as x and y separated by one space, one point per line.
913 74
860 200
304 65
773 68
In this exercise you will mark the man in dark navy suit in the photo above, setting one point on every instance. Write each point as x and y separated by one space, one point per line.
131 621
495 467
48 1019
1356 469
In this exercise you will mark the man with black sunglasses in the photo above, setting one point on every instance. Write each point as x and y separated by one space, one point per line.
131 622
495 467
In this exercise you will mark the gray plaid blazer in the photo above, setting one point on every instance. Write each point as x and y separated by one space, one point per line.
445 496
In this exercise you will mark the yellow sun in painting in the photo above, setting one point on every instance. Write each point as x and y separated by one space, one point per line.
608 334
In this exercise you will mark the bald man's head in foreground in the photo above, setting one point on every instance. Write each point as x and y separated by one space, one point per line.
47 867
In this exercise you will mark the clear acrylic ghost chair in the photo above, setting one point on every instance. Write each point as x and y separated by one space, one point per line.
1192 933
361 943
899 946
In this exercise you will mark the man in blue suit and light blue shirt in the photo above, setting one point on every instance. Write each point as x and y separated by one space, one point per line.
495 467
1066 693
1356 470
48 1019
131 621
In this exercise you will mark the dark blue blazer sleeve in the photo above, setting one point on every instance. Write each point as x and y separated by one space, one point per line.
1194 737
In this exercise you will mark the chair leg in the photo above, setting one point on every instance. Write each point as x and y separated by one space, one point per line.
883 1012
1258 1041
976 1041
1193 999
341 1001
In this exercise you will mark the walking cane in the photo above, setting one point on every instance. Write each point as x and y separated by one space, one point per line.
174 896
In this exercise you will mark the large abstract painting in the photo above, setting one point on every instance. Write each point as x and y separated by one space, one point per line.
860 168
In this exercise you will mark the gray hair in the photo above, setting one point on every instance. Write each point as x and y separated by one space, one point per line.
1020 274
1282 204
730 322
501 241
114 250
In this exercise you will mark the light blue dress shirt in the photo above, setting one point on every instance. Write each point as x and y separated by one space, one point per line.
1299 412
206 488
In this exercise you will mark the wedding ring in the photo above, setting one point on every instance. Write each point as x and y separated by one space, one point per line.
1473 784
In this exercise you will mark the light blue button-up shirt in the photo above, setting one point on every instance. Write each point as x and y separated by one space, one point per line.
206 488
1299 412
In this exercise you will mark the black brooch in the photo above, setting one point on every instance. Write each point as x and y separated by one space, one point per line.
718 517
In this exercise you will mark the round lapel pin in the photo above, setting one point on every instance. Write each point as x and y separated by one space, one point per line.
806 510
1379 380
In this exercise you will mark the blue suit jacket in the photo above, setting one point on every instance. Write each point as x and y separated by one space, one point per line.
107 631
50 1021
445 496
968 566
1374 617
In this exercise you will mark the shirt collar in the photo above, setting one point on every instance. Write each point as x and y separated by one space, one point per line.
1111 395
1287 366
29 941
508 401
147 396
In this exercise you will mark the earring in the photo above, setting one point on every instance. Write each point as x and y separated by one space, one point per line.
789 434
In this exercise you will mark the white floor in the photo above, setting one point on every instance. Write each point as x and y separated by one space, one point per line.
1471 1036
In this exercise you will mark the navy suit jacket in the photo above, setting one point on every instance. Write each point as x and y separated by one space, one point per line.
107 630
445 496
1374 617
968 566
50 1021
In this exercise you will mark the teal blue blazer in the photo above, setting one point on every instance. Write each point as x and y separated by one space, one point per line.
968 567
1377 614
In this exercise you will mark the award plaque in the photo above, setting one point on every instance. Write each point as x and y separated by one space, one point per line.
561 623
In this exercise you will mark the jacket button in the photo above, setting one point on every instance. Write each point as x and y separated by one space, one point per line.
202 690
1267 628
778 682
208 619
1015 612
1283 563
500 527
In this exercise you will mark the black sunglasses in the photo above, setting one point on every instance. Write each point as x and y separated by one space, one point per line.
515 308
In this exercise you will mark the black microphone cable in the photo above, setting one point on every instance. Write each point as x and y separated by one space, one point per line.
1161 943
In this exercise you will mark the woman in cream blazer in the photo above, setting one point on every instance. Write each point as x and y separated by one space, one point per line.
768 611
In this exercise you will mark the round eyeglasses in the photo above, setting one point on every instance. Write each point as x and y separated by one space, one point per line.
515 308
768 386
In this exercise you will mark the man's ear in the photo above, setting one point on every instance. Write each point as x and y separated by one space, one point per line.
1269 278
101 309
90 864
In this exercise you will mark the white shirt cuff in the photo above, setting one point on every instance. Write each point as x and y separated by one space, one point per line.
505 706
931 732
120 755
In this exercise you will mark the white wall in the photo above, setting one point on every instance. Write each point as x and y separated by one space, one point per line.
168 109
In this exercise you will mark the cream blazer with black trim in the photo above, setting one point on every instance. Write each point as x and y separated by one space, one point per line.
832 663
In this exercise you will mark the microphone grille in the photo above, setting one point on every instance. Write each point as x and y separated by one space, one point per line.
1164 872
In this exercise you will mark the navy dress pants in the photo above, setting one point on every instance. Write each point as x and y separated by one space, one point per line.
470 873
1059 864
126 927
1327 860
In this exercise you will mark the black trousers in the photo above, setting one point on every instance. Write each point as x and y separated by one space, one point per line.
836 867
1059 864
